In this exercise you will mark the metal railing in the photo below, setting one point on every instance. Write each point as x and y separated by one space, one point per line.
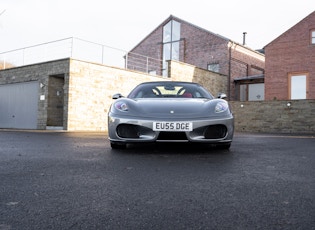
79 49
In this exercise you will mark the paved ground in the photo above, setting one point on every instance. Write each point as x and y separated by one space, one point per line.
58 180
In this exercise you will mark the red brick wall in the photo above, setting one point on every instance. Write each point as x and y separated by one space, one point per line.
150 46
244 62
246 65
203 48
291 52
197 47
200 47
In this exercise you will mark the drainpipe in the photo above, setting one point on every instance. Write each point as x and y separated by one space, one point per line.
230 71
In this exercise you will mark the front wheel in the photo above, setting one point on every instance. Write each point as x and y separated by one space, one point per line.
117 145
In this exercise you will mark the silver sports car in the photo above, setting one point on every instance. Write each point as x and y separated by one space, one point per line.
168 111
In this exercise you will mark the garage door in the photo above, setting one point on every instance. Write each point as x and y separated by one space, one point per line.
19 105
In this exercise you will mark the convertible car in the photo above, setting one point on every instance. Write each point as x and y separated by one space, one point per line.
168 111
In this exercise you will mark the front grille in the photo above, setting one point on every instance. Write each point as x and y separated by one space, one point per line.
172 136
215 132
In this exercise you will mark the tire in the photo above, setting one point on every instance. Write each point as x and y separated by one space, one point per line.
117 145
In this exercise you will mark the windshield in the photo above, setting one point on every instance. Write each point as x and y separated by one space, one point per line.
169 90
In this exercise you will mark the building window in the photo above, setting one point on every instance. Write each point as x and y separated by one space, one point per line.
171 38
256 92
313 37
298 84
214 67
252 92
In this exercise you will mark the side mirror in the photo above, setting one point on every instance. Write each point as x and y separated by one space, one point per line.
117 96
222 95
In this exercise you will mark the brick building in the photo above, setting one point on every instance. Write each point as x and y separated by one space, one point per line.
290 63
176 39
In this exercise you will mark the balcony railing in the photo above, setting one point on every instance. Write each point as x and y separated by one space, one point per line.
79 49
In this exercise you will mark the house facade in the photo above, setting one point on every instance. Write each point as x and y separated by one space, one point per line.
290 63
176 39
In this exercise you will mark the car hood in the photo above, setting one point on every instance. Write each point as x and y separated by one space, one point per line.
170 108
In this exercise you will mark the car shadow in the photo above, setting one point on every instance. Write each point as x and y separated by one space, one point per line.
173 148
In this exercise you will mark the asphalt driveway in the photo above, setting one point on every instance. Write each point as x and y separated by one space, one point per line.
72 180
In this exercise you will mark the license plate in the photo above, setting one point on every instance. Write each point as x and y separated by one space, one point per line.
172 126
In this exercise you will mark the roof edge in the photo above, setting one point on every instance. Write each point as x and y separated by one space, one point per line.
172 17
303 19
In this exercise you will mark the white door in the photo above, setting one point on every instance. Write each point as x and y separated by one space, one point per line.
19 105
298 87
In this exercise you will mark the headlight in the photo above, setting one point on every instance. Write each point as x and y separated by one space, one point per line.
122 106
221 107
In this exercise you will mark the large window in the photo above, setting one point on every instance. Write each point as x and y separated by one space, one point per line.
313 36
252 92
171 38
298 86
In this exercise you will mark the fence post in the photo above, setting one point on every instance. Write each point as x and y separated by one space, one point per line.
103 54
23 58
71 50
126 61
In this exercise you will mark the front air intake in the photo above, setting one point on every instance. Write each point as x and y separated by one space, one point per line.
215 132
128 131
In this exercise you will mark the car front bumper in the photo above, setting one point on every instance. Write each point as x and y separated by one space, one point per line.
128 130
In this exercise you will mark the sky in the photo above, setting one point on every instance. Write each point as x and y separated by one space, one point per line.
124 23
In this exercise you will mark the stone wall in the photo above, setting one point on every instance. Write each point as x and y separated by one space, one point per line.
37 72
215 83
88 89
91 87
292 116
77 95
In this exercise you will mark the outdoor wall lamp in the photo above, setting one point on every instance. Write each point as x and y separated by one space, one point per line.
289 104
42 85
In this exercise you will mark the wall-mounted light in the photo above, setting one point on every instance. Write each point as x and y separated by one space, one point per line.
289 104
42 85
